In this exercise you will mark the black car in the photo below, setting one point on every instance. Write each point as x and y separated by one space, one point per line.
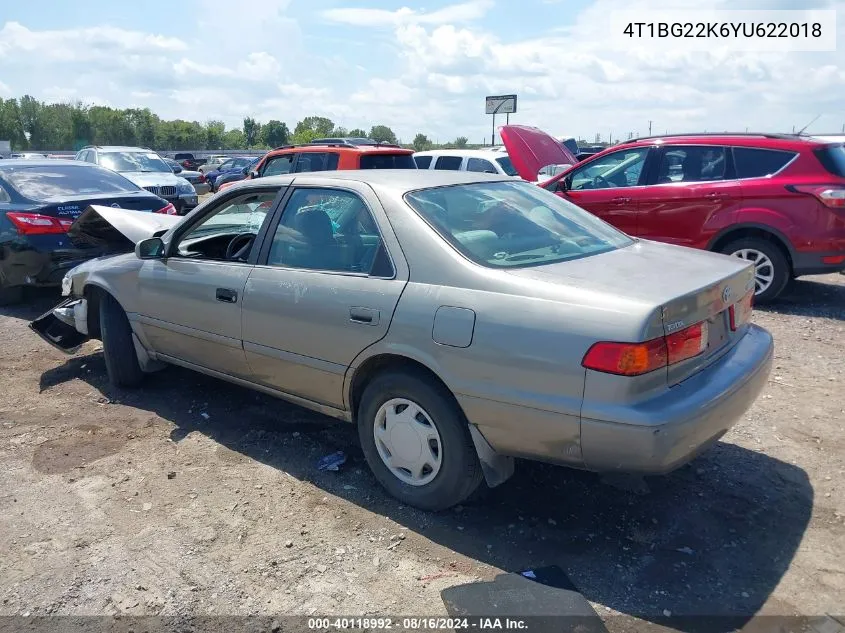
39 200
235 175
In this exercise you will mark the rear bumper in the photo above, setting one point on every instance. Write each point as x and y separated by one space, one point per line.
24 264
814 263
673 428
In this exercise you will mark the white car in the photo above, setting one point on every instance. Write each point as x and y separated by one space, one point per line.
491 161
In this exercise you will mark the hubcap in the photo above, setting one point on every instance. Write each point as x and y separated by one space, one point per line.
408 442
764 269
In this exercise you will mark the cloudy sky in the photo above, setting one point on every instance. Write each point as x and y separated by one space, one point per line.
415 67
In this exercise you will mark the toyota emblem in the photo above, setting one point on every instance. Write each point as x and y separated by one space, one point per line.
726 294
115 205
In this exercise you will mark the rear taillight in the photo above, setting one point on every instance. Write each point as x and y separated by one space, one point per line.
635 359
740 312
37 224
829 195
168 210
833 260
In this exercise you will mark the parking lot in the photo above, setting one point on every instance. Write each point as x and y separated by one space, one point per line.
194 496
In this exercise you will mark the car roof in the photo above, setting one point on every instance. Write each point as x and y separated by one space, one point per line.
761 140
45 162
122 148
471 153
338 147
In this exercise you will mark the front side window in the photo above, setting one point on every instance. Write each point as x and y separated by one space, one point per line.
279 165
450 163
133 161
481 165
229 232
512 224
58 181
701 163
619 169
328 230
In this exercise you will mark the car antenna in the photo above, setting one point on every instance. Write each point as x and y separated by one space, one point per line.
801 131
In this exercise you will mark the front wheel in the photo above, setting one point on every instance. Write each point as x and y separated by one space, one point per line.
771 268
118 347
417 442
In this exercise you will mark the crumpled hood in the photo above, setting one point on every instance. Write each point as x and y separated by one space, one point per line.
118 230
154 178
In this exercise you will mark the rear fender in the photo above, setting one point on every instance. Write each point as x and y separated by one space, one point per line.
766 220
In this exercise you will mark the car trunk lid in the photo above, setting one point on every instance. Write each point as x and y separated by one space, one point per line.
71 207
698 287
530 149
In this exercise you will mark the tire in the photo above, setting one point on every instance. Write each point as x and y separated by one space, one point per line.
459 473
11 295
780 271
118 348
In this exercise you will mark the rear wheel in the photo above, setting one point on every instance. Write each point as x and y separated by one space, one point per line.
118 348
416 441
11 295
771 268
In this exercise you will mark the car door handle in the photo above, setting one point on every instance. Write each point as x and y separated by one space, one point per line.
367 316
620 200
717 194
226 295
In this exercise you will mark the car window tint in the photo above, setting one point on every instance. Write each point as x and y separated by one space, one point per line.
511 224
278 165
619 169
832 159
210 238
751 162
317 161
481 165
423 162
452 163
54 182
507 166
701 163
387 161
325 229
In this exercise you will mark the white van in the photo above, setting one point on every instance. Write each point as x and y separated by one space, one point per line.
492 161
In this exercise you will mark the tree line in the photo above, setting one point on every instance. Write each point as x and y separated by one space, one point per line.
30 124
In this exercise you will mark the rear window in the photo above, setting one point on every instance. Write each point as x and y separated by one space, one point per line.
54 182
451 163
387 161
832 159
423 162
512 224
759 163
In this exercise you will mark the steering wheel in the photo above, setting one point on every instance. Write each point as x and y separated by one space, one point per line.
239 246
601 180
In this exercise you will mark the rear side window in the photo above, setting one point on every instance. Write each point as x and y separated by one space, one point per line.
759 163
423 162
481 165
317 161
387 161
832 159
452 163
54 182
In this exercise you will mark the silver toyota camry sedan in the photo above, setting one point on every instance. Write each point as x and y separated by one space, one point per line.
459 319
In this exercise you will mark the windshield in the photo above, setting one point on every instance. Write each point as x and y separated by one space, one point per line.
510 224
507 166
388 161
55 182
134 161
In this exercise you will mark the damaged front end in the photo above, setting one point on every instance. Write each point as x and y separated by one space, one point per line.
65 327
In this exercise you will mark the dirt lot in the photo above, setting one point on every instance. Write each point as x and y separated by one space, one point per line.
191 496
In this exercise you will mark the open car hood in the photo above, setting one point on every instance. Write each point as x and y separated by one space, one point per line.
117 229
530 149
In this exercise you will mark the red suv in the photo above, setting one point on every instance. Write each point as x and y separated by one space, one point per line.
776 200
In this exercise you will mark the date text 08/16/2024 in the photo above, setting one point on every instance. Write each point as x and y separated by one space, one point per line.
417 624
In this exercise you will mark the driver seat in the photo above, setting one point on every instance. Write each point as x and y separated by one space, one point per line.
321 251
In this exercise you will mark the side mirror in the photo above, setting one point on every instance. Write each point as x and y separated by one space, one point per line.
254 174
150 248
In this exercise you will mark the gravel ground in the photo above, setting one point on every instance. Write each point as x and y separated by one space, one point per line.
191 496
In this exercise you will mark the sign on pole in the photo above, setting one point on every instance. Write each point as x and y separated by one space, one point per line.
499 104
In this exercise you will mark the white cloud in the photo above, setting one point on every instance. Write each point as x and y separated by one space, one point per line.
463 12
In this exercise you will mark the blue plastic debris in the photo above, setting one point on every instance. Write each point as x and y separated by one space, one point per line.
332 462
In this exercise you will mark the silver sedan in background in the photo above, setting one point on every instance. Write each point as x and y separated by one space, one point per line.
458 319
